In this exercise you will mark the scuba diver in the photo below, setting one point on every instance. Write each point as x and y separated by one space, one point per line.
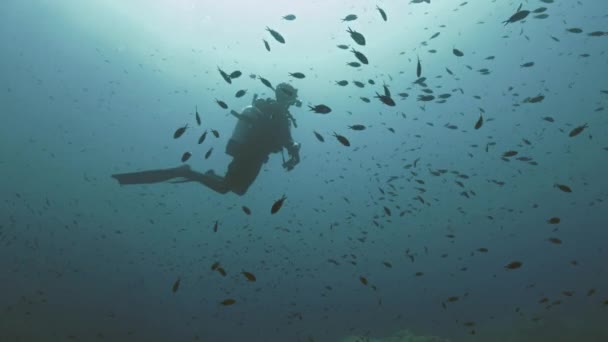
263 128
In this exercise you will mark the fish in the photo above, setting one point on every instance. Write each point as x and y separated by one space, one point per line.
215 226
597 34
202 138
266 45
235 74
382 13
225 76
509 154
342 46
250 277
342 139
186 156
356 36
320 109
519 15
574 30
479 122
297 75
221 104
357 127
555 240
289 17
365 99
435 35
387 211
197 116
457 52
576 131
350 17
180 131
363 280
277 205
482 250
449 71
276 35
527 64
208 154
176 285
540 10
228 301
387 100
563 187
354 64
514 265
215 133
360 56
240 93
418 68
359 84
426 98
266 82
319 136
246 210
342 83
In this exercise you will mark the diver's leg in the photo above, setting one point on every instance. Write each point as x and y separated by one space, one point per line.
152 176
241 173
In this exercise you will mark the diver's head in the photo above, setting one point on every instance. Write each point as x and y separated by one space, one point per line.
286 94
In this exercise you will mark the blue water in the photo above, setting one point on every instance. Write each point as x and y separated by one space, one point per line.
93 88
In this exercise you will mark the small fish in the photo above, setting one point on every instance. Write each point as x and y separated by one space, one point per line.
342 83
509 154
208 154
357 127
276 35
418 68
482 250
457 52
227 302
246 210
320 109
360 56
176 285
365 99
225 76
555 240
574 30
277 205
215 226
382 13
514 265
186 156
215 133
387 264
354 64
240 93
350 17
363 280
479 122
519 15
235 74
319 136
266 82
202 138
563 187
356 36
297 75
342 139
435 35
554 220
221 104
249 276
359 84
342 46
266 45
178 132
198 117
289 17
576 131
527 64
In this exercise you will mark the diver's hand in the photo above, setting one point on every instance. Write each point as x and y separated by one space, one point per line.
290 164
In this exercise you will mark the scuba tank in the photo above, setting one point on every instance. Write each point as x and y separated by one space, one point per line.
243 130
